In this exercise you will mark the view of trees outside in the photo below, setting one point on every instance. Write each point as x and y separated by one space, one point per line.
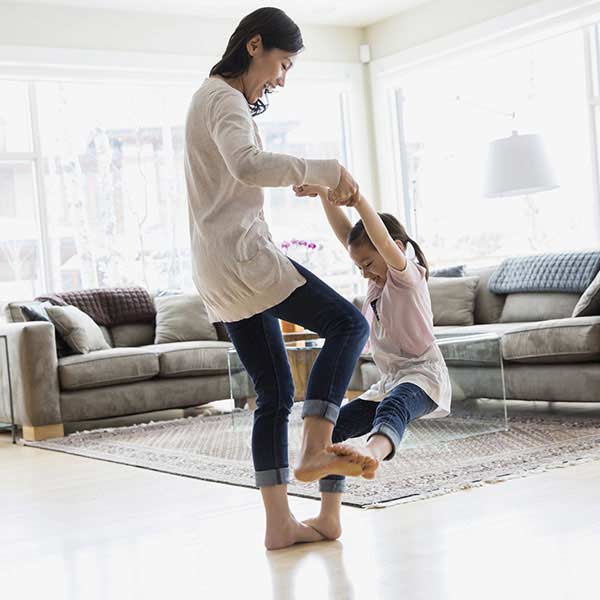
114 192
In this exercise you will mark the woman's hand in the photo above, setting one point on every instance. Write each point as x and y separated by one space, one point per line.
346 193
310 190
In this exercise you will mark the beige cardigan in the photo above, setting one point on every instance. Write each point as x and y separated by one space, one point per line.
237 268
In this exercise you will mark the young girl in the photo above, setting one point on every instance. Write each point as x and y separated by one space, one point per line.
414 378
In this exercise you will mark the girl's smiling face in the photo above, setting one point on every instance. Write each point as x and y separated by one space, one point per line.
371 264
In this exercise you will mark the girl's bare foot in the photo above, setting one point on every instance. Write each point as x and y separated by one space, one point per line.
365 456
317 465
283 535
330 527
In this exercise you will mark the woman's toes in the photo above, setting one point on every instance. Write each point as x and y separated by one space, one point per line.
340 449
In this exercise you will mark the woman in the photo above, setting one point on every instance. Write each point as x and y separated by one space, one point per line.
244 279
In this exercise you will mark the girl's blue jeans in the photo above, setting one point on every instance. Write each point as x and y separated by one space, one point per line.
405 403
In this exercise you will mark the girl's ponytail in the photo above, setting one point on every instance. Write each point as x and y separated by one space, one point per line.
420 257
358 235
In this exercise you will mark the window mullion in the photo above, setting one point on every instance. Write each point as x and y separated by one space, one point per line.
592 71
48 279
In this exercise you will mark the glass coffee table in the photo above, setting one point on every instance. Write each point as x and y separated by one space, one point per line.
476 368
474 362
302 350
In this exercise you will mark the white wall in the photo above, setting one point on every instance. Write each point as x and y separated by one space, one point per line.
94 29
436 19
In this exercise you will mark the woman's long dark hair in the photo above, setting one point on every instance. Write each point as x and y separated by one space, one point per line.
276 30
358 235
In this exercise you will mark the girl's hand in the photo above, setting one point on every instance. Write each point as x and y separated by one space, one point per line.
310 190
346 192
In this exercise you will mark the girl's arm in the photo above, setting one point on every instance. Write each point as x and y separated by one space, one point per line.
379 235
339 221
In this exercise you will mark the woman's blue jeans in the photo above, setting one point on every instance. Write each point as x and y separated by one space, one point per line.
259 343
405 403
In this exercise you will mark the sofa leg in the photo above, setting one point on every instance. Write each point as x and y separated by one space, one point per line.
42 432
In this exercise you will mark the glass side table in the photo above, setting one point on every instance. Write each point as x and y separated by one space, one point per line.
301 359
482 352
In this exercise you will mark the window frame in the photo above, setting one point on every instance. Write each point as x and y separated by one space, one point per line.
31 65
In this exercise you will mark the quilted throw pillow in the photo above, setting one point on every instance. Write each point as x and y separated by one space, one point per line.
570 272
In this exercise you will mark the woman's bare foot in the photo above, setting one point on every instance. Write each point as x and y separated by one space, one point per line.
364 456
319 464
283 535
330 527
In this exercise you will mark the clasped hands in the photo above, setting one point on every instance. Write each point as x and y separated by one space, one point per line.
345 194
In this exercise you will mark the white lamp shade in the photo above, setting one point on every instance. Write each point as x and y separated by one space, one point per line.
518 165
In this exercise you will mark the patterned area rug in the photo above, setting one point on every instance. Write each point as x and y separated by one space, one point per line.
437 456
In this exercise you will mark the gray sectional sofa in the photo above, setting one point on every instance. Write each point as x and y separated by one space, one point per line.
133 376
548 354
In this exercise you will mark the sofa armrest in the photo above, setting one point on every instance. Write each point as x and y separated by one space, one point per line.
34 374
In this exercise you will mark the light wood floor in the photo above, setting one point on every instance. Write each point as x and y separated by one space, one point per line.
78 529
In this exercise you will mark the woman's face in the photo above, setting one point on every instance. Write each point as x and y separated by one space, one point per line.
268 69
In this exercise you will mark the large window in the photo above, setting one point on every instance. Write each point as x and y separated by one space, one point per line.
21 270
113 180
92 190
446 117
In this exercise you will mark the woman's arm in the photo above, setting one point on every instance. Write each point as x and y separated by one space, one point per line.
339 221
232 130
379 235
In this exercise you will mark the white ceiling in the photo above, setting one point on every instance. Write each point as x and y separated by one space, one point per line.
350 13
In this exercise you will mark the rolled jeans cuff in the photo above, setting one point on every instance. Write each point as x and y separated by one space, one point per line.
389 433
321 408
272 477
332 486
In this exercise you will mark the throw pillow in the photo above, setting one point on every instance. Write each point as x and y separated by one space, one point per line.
458 271
37 312
182 318
453 299
589 303
79 330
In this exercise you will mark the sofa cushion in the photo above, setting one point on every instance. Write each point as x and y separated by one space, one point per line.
457 271
78 329
452 299
537 306
107 367
554 341
36 311
132 335
488 305
589 303
187 359
182 318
